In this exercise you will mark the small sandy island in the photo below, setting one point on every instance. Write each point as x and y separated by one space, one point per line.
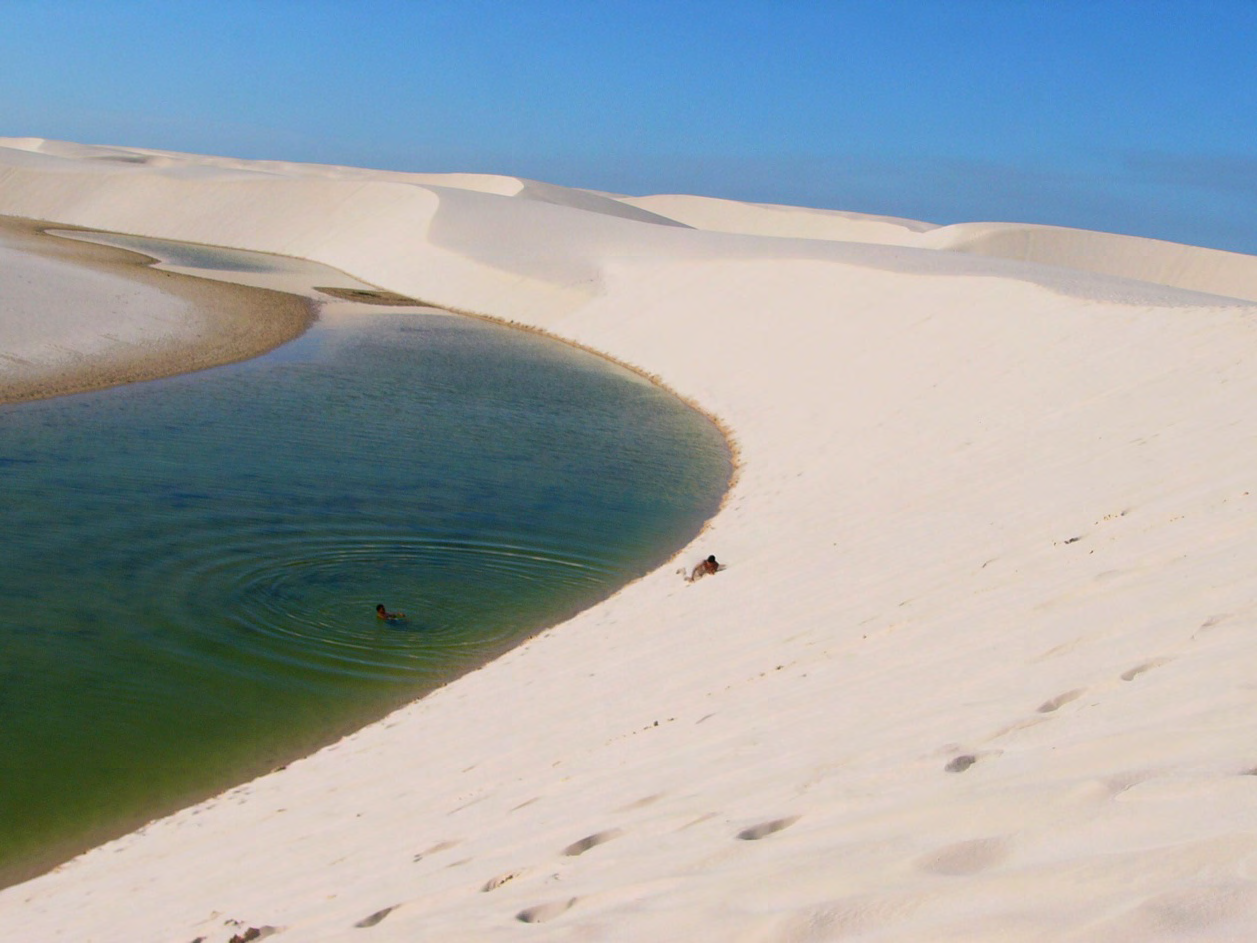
78 316
980 664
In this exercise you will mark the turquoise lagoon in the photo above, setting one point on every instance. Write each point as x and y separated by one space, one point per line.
191 566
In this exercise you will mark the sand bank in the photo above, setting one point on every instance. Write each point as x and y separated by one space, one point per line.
980 665
78 317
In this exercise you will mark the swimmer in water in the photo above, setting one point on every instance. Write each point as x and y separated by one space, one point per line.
382 613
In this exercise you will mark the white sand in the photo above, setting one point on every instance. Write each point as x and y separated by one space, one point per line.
77 317
980 668
94 313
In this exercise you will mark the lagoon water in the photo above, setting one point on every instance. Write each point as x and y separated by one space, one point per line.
191 566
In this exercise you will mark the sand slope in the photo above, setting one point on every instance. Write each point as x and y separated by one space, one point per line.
980 667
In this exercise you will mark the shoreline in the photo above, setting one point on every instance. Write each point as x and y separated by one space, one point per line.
239 322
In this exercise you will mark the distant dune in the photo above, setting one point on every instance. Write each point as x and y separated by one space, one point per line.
1165 263
763 219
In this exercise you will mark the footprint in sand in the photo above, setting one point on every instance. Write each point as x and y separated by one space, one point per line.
375 917
1060 701
543 912
591 841
1135 672
640 803
494 883
966 857
1024 724
253 933
439 846
698 821
764 829
960 763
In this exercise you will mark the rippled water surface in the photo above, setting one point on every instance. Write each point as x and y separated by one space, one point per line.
191 566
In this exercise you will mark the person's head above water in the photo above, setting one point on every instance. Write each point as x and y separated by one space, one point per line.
380 607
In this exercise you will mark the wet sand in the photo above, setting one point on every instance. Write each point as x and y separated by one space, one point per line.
232 322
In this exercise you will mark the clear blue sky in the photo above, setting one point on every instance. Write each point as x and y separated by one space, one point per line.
1135 116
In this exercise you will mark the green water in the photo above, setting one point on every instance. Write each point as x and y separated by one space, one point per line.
190 567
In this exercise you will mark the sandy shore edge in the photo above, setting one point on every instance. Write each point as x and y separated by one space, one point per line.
240 322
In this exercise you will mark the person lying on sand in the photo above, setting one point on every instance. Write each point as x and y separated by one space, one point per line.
706 567
382 613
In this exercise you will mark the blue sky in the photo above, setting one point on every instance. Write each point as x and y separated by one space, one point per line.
1136 116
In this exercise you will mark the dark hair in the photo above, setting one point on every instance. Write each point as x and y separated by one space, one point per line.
379 607
712 558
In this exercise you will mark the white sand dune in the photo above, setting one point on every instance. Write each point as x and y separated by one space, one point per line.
1211 271
1207 271
766 219
981 664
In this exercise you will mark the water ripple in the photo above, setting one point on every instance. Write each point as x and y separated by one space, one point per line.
309 598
